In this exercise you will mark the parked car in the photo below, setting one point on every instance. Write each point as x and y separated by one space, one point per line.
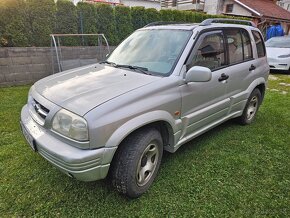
161 87
278 53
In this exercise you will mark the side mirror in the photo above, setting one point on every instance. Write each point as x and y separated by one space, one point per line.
198 74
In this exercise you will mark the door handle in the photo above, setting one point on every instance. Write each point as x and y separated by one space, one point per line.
223 77
252 67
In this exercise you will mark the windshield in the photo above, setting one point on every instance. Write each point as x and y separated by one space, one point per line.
278 42
156 50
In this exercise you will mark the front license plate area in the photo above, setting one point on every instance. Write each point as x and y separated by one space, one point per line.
28 138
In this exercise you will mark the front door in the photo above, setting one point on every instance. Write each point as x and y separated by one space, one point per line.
205 103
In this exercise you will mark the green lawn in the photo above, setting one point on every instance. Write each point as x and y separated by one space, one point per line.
231 171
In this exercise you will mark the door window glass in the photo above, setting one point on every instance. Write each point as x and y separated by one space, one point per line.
210 53
235 45
259 44
248 54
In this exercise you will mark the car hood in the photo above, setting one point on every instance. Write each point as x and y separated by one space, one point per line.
80 90
275 52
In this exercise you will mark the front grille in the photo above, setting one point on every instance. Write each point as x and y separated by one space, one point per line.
40 109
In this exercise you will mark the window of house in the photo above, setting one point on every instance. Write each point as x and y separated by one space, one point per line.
259 44
229 8
210 52
174 3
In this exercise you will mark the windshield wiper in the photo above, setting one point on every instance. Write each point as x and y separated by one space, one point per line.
108 62
132 67
141 69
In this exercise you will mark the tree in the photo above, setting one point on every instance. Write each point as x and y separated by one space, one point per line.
66 20
41 21
139 18
124 25
106 23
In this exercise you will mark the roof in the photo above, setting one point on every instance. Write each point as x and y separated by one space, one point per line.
265 8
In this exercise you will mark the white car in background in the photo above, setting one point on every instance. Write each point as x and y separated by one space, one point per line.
278 53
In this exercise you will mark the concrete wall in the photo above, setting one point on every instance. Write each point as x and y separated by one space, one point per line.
27 65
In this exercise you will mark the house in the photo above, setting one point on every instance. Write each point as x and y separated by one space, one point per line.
262 12
284 4
196 5
130 3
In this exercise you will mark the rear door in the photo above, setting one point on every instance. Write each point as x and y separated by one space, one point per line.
241 64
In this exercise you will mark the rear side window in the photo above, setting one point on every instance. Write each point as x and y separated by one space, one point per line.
247 46
239 45
235 45
259 44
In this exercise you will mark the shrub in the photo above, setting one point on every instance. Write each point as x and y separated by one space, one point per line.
66 21
178 16
13 26
124 25
139 18
106 23
152 15
41 21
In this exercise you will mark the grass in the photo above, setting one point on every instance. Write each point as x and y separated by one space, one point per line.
231 171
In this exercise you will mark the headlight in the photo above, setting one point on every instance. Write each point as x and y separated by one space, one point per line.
70 125
284 56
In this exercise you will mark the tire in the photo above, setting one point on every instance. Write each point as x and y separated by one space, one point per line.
132 172
251 108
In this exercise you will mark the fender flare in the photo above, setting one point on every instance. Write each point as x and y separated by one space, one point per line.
137 122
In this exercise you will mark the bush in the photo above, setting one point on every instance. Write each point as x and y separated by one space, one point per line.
29 22
139 17
166 15
152 15
124 25
178 16
66 21
106 23
41 21
13 26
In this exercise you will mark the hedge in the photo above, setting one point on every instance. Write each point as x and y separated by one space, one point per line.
30 22
124 25
66 21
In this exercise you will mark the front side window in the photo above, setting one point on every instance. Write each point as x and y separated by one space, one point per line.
210 53
157 50
259 44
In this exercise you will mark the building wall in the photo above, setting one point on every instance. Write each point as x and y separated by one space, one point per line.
237 10
284 4
147 4
212 6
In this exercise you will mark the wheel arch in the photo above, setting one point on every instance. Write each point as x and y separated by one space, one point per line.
165 124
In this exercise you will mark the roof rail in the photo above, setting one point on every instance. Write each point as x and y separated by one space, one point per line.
223 20
159 23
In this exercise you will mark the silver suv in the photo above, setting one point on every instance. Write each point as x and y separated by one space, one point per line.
161 87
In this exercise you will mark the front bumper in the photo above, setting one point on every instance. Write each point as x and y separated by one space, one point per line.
84 165
279 63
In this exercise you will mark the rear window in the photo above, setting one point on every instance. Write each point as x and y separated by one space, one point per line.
259 44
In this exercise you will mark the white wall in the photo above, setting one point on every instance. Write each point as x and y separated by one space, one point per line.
211 6
144 3
237 10
284 4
